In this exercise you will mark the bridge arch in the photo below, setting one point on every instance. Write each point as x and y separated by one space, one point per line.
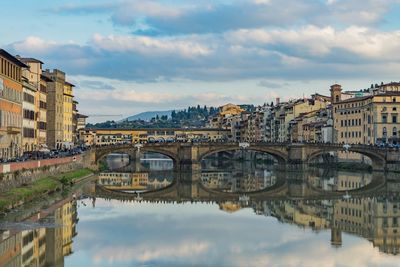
378 160
278 155
102 153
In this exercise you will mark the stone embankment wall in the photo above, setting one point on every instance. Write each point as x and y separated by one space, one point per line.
18 173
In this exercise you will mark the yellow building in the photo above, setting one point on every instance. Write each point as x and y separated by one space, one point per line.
222 118
42 123
68 115
294 109
59 110
101 137
370 119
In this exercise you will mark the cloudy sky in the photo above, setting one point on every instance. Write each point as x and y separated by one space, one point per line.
128 56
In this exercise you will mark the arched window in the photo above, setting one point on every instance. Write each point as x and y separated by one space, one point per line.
337 98
384 132
394 133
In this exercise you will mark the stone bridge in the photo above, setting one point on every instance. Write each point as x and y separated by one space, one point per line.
188 156
187 186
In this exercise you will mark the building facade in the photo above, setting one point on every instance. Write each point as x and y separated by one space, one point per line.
11 97
59 110
68 116
372 119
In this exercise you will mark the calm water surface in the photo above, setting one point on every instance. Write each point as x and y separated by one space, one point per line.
98 231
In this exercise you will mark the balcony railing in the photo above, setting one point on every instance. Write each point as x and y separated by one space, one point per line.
13 130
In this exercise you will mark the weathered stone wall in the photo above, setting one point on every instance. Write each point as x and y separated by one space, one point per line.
18 173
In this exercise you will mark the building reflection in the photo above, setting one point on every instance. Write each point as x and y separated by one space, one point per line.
330 180
238 181
41 246
134 181
375 219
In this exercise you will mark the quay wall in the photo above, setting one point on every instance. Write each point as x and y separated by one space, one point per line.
15 174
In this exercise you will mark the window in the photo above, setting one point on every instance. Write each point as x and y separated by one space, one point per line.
29 98
394 132
384 132
384 118
394 118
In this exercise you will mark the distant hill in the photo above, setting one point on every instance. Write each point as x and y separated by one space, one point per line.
146 116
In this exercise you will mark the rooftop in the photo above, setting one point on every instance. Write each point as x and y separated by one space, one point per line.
354 99
82 116
70 84
13 59
30 59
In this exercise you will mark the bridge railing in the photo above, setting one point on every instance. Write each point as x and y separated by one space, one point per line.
261 143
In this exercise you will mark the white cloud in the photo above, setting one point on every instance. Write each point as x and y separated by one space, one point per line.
34 44
151 46
320 41
143 253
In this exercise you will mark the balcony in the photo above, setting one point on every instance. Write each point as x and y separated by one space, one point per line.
13 130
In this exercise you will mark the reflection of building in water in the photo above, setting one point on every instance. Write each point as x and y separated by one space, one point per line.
350 181
121 180
131 181
59 239
385 224
215 180
305 215
342 181
41 247
229 206
158 164
238 181
157 184
377 219
10 249
33 249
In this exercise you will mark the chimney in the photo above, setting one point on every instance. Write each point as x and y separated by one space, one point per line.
277 100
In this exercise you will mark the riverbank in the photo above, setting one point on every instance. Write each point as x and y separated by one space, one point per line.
19 195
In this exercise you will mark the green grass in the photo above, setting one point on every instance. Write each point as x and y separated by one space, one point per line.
69 177
39 188
29 192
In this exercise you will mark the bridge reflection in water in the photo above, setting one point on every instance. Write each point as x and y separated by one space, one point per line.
365 204
337 203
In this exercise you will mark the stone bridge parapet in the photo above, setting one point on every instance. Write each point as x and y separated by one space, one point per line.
188 156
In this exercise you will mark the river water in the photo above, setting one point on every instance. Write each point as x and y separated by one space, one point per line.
182 228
